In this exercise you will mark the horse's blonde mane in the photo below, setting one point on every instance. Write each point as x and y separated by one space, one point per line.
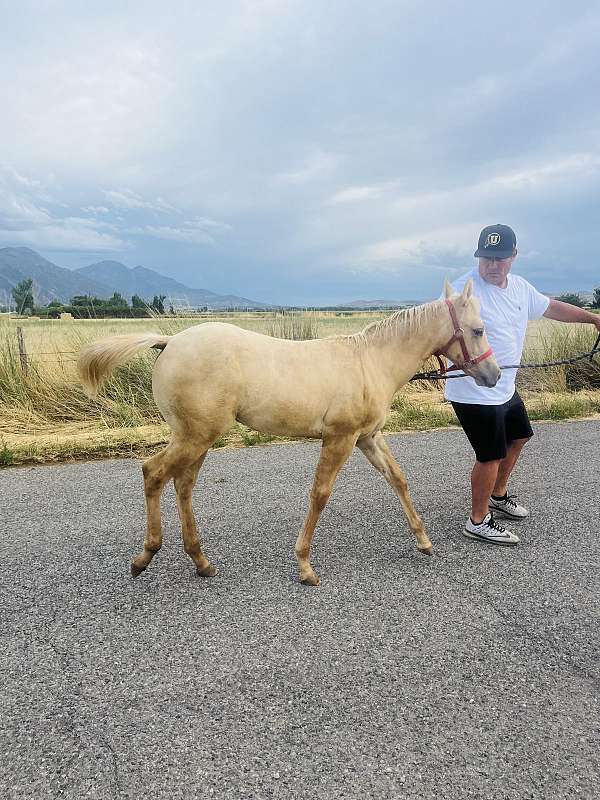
409 319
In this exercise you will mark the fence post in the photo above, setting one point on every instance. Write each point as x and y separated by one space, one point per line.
22 351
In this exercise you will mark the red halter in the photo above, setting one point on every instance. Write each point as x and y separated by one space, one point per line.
458 337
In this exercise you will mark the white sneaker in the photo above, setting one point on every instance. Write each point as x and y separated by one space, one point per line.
490 531
509 507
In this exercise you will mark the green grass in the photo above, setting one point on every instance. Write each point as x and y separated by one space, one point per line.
250 437
7 456
564 405
409 412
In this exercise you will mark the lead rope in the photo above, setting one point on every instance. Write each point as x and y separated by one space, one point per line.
437 375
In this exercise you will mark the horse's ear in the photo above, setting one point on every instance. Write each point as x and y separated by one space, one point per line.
468 290
447 288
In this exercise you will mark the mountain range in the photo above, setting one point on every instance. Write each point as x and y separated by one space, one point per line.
51 282
359 305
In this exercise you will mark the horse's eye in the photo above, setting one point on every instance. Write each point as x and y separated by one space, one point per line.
478 331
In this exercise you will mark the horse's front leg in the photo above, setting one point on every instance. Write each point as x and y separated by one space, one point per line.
334 454
376 450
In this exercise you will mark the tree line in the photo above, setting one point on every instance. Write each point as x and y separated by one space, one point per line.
87 306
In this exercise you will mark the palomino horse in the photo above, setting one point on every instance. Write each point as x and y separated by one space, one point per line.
337 389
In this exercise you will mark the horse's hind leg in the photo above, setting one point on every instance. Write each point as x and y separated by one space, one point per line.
184 485
158 470
376 450
334 454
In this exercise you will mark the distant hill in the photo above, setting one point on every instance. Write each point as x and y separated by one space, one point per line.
51 282
146 283
360 304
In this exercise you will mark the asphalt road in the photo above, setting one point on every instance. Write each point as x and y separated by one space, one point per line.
471 674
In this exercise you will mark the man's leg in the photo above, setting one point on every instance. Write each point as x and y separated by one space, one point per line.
506 466
496 450
484 477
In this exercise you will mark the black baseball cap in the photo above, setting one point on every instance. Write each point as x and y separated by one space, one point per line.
496 241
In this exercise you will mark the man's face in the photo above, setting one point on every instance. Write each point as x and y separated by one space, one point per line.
495 270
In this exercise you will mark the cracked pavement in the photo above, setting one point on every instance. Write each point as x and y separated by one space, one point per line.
470 674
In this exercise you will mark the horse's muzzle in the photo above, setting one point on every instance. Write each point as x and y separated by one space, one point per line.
486 375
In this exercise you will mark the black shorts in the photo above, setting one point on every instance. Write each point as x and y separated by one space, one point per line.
490 429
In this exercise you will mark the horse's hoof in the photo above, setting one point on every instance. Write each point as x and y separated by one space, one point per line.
207 572
310 580
135 570
427 550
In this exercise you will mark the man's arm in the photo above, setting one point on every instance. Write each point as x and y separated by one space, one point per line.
565 312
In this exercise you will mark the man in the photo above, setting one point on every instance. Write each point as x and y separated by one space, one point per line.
495 420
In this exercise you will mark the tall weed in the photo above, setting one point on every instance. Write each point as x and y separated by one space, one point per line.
299 325
557 342
50 393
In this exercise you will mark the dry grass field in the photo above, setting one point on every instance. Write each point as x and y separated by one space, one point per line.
45 416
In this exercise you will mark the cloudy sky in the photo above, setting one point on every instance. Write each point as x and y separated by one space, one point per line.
303 151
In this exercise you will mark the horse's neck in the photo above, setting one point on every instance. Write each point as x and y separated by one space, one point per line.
407 341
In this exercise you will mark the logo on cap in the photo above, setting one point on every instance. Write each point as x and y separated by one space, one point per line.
492 240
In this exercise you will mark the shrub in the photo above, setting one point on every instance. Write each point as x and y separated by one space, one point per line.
572 299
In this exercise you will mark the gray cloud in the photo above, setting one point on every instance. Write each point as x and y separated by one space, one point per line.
304 151
126 198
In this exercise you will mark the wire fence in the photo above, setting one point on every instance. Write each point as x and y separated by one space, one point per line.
432 375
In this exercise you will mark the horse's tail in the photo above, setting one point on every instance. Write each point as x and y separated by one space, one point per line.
97 360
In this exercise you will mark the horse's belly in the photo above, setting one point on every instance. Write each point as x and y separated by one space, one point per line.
282 414
282 427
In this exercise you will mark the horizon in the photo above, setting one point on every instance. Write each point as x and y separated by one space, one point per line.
303 155
375 301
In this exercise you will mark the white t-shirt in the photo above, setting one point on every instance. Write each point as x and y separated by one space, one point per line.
505 313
